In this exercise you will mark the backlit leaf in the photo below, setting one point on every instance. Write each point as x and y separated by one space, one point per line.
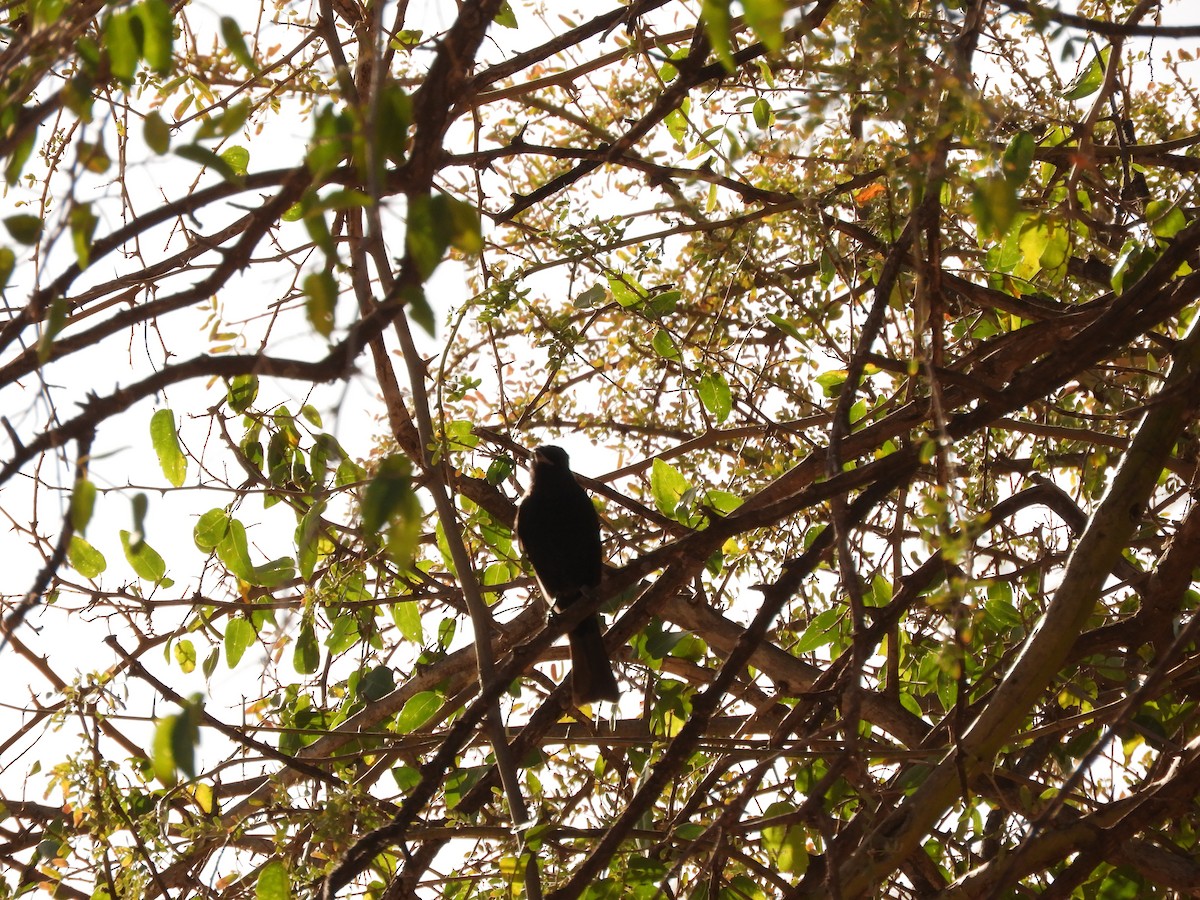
145 560
273 882
239 635
84 558
715 395
167 446
418 710
231 33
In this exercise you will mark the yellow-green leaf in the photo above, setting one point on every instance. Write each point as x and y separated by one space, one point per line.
273 883
205 157
238 159
715 395
166 445
157 133
231 33
184 652
306 656
239 635
320 298
8 262
145 560
419 709
158 33
83 502
83 228
24 228
84 558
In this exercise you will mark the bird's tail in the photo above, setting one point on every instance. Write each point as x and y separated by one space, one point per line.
591 672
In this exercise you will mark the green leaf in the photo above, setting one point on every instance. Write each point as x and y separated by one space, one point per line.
306 657
211 530
158 34
308 538
273 883
663 303
320 292
318 230
186 735
311 415
174 746
234 552
25 228
242 391
385 494
463 218
138 505
77 91
122 46
664 345
1166 218
231 33
407 617
505 17
667 486
239 635
83 502
393 119
820 631
84 558
715 395
8 262
56 319
419 709
785 326
205 157
83 226
677 122
157 133
437 223
238 159
329 145
500 469
994 204
145 560
717 25
93 157
226 123
377 684
765 18
593 296
722 502
185 654
1131 264
389 502
162 755
166 445
626 291
274 573
19 156
762 113
1090 79
426 242
1018 157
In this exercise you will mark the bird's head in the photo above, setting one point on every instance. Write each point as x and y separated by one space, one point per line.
553 457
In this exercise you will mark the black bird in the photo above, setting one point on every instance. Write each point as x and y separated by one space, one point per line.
560 533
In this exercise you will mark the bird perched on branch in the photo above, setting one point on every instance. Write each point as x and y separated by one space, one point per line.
559 532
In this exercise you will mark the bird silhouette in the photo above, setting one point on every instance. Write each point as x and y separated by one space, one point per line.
559 533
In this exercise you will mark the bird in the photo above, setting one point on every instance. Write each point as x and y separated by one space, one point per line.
559 533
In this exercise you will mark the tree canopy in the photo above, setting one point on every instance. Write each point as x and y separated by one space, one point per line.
869 326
